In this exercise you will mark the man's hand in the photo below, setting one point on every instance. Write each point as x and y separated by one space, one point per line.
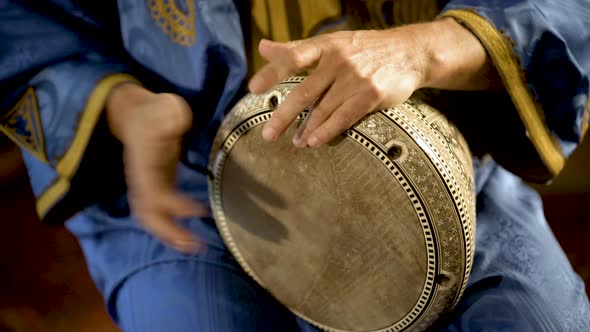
353 73
151 127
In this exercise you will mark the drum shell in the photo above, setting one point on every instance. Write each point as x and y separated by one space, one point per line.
434 161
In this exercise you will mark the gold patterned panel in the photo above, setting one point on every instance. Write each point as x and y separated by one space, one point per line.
285 20
382 14
316 15
506 61
23 125
400 12
178 23
269 19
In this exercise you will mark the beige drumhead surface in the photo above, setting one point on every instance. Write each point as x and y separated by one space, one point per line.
329 231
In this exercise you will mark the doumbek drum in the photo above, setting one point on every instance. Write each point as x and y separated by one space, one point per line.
372 232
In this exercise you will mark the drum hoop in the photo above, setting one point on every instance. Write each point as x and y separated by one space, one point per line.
467 220
397 118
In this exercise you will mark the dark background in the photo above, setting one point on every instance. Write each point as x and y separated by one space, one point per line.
44 285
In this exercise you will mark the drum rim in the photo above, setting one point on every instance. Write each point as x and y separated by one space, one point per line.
262 115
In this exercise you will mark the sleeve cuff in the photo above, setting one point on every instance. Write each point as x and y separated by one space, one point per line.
507 62
67 166
585 121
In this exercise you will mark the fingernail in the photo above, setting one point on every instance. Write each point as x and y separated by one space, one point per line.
298 142
313 142
269 134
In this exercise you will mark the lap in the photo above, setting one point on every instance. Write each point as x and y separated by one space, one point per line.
149 287
521 279
197 296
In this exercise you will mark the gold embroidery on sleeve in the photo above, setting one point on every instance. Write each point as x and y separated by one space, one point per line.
68 164
507 64
23 125
177 23
585 121
53 194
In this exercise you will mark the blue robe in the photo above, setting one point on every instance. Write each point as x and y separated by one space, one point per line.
60 59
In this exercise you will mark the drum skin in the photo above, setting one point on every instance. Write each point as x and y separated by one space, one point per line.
372 232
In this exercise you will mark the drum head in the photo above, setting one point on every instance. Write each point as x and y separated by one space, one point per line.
339 234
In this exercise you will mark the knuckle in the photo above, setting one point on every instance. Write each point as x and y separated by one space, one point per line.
179 108
346 120
321 110
302 96
293 43
373 92
141 209
174 114
269 73
337 38
169 99
341 57
278 120
331 42
296 58
350 66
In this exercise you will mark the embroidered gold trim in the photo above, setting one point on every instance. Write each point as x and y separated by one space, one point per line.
585 121
52 195
22 124
68 164
506 62
178 25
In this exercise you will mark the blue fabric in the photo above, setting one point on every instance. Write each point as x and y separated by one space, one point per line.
62 67
67 86
209 74
23 32
521 279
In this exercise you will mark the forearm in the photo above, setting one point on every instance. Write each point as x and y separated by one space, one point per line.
454 59
151 127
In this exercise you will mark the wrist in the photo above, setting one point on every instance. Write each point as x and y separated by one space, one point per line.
134 112
454 58
121 107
